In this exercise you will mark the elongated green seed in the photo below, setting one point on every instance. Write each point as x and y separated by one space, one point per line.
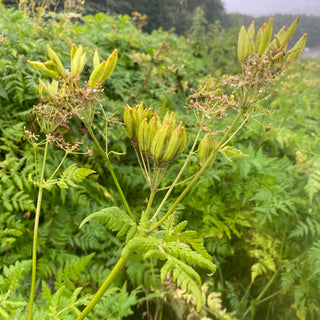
172 146
205 148
128 121
96 74
243 41
56 60
265 38
40 66
160 140
143 134
96 59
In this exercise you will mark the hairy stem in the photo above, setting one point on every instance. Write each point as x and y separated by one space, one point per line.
114 177
35 232
112 275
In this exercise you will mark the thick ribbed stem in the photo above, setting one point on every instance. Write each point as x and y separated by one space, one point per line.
112 275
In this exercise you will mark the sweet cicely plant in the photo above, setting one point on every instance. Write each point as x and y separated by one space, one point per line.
155 232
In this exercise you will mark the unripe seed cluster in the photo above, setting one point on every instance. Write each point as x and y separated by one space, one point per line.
163 140
276 49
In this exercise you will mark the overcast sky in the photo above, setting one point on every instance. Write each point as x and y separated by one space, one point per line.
269 7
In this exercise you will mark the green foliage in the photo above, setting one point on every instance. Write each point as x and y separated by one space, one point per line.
10 229
10 300
116 220
258 216
73 174
160 15
313 184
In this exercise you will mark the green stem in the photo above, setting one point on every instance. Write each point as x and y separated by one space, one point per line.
58 167
112 275
231 137
269 297
35 161
144 167
262 293
114 177
210 161
145 174
146 213
35 232
177 184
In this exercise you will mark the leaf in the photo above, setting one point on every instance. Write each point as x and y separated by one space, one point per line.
46 293
115 219
71 174
185 276
230 151
313 185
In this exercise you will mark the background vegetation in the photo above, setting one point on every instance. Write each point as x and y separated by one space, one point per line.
259 216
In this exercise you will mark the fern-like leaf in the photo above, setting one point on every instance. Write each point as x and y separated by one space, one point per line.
313 185
142 245
306 228
73 174
186 277
115 219
180 251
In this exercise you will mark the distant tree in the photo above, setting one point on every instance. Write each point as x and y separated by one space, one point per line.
160 13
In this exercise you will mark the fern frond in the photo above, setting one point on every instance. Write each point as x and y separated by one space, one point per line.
55 301
46 292
180 251
191 237
10 229
266 263
313 185
115 219
71 272
73 174
142 245
185 276
306 228
314 258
